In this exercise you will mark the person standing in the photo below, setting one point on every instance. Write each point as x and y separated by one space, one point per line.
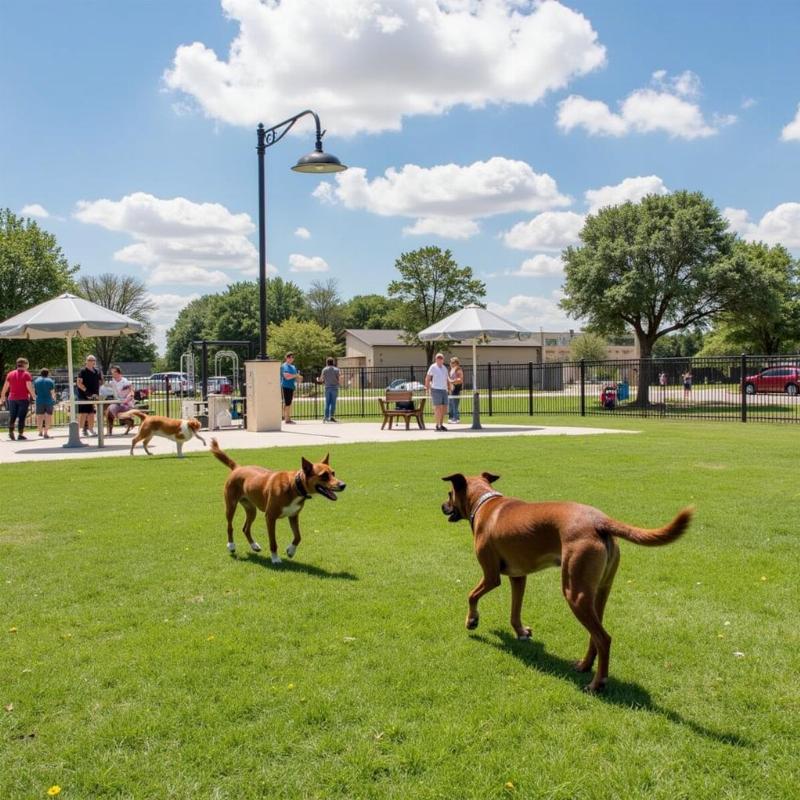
330 378
437 382
662 382
19 390
88 383
44 387
123 394
456 384
289 378
687 384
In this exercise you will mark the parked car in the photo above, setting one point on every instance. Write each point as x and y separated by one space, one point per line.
778 378
403 385
179 382
220 384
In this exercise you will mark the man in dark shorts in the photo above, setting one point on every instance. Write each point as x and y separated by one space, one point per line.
88 383
289 378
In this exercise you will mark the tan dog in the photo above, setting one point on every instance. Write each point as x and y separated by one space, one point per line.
276 493
179 431
515 538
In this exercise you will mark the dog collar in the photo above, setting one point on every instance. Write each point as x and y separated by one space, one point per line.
481 500
301 490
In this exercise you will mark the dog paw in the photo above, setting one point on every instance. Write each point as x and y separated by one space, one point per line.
472 623
231 547
595 688
255 547
524 634
275 558
291 550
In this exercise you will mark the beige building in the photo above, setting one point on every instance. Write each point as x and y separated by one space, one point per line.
386 348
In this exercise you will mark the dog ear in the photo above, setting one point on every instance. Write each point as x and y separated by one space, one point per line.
458 480
308 467
325 460
487 476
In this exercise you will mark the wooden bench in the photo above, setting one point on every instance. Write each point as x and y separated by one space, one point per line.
391 413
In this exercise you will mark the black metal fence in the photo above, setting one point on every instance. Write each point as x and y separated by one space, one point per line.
739 388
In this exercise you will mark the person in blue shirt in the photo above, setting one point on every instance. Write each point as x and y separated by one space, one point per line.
44 386
289 378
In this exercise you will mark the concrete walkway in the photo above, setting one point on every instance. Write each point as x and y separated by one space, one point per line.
305 433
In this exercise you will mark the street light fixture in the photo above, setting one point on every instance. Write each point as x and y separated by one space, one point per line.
316 162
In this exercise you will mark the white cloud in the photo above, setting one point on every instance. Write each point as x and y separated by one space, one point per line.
168 306
301 263
631 189
791 132
540 266
446 199
552 230
252 272
302 233
781 225
178 241
364 65
35 210
535 312
668 107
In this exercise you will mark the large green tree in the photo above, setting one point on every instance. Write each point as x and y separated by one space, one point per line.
310 343
124 294
431 286
325 305
663 264
32 269
372 312
194 321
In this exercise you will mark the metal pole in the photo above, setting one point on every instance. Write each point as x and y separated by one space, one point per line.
476 400
262 247
742 387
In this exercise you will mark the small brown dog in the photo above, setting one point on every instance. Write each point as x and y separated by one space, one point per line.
515 538
179 431
276 493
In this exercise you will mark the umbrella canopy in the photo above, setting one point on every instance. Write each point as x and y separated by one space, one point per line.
474 322
65 317
479 325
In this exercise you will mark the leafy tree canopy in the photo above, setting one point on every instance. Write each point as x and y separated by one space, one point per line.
431 286
372 312
325 305
32 269
310 343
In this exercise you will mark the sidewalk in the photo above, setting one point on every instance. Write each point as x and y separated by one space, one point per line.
304 433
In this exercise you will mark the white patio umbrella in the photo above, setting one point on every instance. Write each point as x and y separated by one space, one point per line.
66 317
478 325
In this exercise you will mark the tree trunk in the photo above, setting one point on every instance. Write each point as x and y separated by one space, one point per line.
645 369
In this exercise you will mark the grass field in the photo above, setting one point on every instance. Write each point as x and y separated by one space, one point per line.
139 660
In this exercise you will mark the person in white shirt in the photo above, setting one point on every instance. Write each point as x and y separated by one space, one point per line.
123 394
437 382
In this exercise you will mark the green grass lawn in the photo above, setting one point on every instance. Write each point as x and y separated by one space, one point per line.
139 660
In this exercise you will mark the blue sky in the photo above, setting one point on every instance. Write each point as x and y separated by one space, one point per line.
490 128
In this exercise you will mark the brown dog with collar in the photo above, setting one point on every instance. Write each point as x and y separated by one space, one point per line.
515 538
276 493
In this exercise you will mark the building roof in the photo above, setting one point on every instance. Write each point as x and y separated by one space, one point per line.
393 338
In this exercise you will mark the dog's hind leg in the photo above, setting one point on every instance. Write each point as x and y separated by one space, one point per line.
489 581
295 525
517 593
145 442
250 510
230 511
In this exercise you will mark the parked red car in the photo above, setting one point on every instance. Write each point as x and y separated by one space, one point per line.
778 378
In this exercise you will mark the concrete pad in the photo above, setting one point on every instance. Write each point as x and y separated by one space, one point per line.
309 433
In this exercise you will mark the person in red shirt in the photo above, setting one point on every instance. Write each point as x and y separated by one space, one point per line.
19 390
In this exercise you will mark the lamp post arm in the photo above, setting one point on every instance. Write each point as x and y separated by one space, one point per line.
269 136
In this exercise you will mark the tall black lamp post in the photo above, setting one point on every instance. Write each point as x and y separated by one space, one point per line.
315 162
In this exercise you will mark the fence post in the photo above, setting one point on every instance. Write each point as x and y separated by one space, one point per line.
166 395
583 388
489 385
362 382
530 388
742 389
413 377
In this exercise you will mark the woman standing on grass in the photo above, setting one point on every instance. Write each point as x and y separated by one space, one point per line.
44 387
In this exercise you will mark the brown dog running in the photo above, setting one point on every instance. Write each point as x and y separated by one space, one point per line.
276 493
179 431
515 538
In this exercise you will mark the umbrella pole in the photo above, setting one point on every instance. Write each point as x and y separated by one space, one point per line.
74 436
476 400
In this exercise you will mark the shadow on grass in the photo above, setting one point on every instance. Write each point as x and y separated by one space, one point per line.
619 693
261 560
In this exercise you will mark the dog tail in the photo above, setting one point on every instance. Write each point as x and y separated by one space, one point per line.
132 414
650 537
222 456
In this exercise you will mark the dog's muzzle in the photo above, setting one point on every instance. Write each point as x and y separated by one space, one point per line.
329 491
451 512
